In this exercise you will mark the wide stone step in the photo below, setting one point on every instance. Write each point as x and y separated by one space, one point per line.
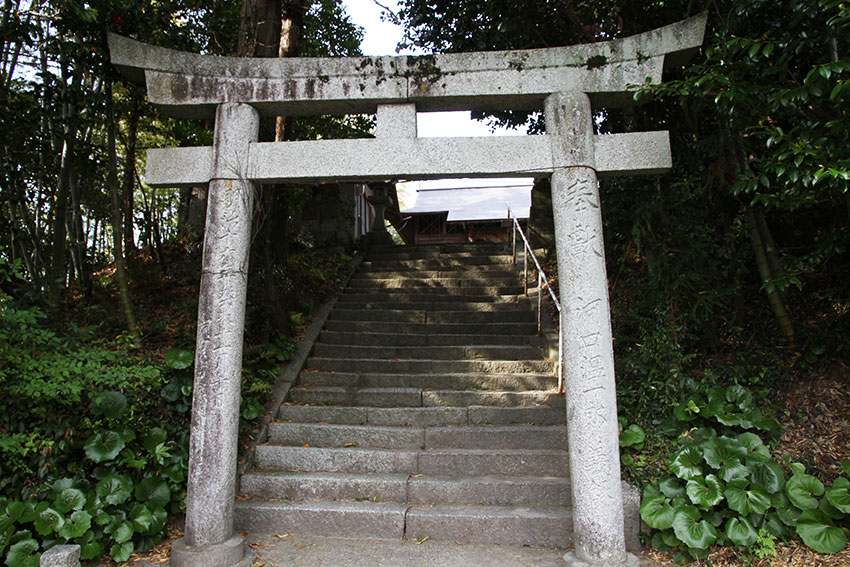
498 382
439 462
412 296
382 437
407 269
442 262
438 291
424 417
478 352
479 306
325 486
460 272
431 328
488 490
330 519
425 317
428 253
415 397
534 527
426 366
421 340
469 285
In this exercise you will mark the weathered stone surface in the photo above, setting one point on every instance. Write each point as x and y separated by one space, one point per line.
536 527
354 460
396 121
538 415
490 490
372 397
480 462
61 556
443 398
414 158
218 356
355 519
586 325
417 417
188 85
496 437
326 486
335 435
230 553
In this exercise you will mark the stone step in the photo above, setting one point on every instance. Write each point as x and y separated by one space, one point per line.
467 285
440 292
424 417
506 525
439 462
441 262
426 366
476 352
330 519
416 397
382 437
476 270
498 382
325 486
425 317
461 272
421 340
488 490
428 252
406 296
430 328
430 306
534 527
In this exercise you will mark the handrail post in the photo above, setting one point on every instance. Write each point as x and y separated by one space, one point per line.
539 304
561 388
525 271
513 241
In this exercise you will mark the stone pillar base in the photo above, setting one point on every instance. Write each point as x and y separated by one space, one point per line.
231 553
628 561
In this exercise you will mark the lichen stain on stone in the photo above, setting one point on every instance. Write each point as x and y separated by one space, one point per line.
310 88
180 88
596 62
290 89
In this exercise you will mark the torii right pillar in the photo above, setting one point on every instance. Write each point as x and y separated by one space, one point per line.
591 394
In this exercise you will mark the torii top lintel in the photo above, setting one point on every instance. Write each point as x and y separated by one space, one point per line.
189 85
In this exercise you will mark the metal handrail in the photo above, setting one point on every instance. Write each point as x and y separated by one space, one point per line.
542 281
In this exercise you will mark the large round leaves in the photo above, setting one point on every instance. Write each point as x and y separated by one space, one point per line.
114 489
705 492
103 446
657 512
802 489
691 529
741 532
154 492
747 498
839 494
817 531
687 463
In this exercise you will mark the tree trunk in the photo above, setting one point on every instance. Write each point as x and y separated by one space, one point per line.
130 173
60 208
117 229
78 242
767 278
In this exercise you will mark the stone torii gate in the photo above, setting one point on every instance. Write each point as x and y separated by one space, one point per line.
564 81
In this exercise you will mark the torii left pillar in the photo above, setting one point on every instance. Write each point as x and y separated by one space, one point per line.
209 540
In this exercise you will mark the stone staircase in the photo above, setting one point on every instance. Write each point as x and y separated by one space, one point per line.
427 410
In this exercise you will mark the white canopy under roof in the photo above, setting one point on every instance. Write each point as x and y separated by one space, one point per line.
474 204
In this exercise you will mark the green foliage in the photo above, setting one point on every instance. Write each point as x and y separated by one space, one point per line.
726 489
